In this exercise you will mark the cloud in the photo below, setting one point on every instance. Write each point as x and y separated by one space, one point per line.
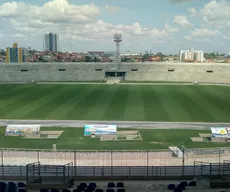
192 12
204 32
72 22
216 13
112 9
181 20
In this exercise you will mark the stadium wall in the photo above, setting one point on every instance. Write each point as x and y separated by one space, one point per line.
73 72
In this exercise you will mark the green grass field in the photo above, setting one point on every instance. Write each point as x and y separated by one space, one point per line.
73 138
115 102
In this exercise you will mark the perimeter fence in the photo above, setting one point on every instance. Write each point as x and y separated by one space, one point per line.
113 157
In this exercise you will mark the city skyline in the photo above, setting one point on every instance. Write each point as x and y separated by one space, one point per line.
166 26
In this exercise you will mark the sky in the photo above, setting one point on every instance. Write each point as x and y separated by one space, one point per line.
146 25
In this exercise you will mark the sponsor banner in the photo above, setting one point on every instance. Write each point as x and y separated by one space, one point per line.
220 131
18 130
100 130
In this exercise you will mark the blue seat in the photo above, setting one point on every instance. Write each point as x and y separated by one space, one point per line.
21 184
178 190
55 190
171 186
185 183
22 190
192 183
120 185
11 187
109 190
111 185
93 185
99 190
76 190
3 186
66 190
120 190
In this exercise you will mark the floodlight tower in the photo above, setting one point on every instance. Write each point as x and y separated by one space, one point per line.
118 40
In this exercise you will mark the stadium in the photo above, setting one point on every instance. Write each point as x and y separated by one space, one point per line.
160 121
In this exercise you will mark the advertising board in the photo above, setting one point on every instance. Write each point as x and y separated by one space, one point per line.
100 130
220 132
19 130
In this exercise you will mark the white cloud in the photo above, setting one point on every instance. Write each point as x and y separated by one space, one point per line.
72 22
181 20
192 12
188 37
112 9
203 32
216 13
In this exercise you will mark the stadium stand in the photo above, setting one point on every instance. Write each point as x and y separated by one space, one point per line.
73 72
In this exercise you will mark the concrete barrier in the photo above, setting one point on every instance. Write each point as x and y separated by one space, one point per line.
73 72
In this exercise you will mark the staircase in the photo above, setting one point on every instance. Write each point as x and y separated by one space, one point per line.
113 80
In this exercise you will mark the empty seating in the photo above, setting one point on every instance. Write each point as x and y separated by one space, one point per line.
22 190
120 190
171 186
110 190
66 190
55 190
111 185
192 183
120 185
180 187
99 190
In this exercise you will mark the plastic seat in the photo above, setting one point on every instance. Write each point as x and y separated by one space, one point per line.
171 186
120 190
66 190
92 185
21 184
192 183
99 190
120 185
22 190
185 183
55 190
44 190
111 185
109 190
76 190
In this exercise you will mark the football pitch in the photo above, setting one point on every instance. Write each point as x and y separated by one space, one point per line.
73 138
178 103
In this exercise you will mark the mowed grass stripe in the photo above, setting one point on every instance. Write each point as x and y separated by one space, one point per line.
47 103
84 102
116 108
207 109
134 110
6 90
13 94
67 102
154 111
34 103
192 104
214 105
22 99
171 106
98 109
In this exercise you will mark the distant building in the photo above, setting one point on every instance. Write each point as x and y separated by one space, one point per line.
191 55
16 54
51 42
